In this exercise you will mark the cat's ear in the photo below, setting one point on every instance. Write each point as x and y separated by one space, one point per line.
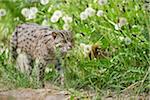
54 34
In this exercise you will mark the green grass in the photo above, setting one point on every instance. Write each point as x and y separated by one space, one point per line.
128 65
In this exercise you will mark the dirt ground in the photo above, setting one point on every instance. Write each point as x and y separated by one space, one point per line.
51 92
32 94
47 93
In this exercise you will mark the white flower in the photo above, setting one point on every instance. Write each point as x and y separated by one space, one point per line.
86 49
29 13
122 22
66 26
33 10
67 19
83 16
58 13
100 13
102 2
2 12
54 19
56 16
44 2
25 12
127 41
31 16
89 11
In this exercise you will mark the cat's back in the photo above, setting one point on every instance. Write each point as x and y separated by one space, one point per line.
27 36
